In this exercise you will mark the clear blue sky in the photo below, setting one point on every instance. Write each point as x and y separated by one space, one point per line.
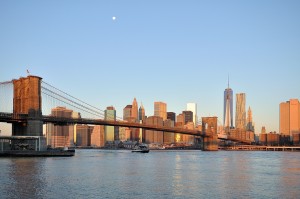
171 51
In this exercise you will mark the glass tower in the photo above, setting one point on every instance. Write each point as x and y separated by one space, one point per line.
228 107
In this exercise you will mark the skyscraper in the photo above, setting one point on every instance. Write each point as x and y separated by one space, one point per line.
160 110
188 116
250 126
193 107
134 110
171 116
240 114
289 117
58 135
228 110
142 112
127 112
109 131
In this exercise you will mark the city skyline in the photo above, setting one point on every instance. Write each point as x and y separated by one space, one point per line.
174 58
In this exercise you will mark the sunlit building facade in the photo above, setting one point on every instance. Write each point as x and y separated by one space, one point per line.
289 117
160 110
142 113
250 125
228 108
240 114
109 132
58 135
134 110
193 107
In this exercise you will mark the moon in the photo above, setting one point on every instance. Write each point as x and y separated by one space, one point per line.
114 18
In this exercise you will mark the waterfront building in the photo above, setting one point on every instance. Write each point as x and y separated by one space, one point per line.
134 110
289 117
83 135
193 107
110 131
142 113
188 116
180 119
168 136
97 136
171 116
154 136
228 108
250 125
240 114
188 139
58 135
160 110
127 112
263 130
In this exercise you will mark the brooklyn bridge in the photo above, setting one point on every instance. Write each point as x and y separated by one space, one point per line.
28 113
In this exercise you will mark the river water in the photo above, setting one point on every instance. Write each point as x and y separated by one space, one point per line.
158 174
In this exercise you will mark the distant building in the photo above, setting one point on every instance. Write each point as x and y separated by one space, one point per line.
188 116
168 136
240 114
289 118
180 119
83 135
160 110
171 116
142 112
97 136
57 135
110 131
250 125
154 136
134 110
228 107
193 107
127 112
263 130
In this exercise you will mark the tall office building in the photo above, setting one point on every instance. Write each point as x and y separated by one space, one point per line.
250 125
160 110
193 107
127 112
228 108
97 136
83 135
289 117
154 136
142 112
171 116
57 135
109 131
240 114
134 110
188 116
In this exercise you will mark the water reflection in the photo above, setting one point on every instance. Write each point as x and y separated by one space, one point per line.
159 174
26 178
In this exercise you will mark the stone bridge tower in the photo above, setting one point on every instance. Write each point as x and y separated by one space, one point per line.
210 126
28 100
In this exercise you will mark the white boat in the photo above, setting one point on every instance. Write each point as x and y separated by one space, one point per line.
141 148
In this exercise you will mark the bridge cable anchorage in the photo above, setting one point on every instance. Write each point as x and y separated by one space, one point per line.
89 108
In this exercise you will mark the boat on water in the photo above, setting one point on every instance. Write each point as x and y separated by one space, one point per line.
141 148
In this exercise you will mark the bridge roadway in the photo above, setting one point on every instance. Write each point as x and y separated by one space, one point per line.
13 118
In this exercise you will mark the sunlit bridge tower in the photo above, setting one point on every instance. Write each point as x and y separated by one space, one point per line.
228 109
28 100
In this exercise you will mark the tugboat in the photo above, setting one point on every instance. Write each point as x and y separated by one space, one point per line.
141 148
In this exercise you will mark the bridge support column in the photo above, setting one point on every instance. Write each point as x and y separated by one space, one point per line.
209 126
28 100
